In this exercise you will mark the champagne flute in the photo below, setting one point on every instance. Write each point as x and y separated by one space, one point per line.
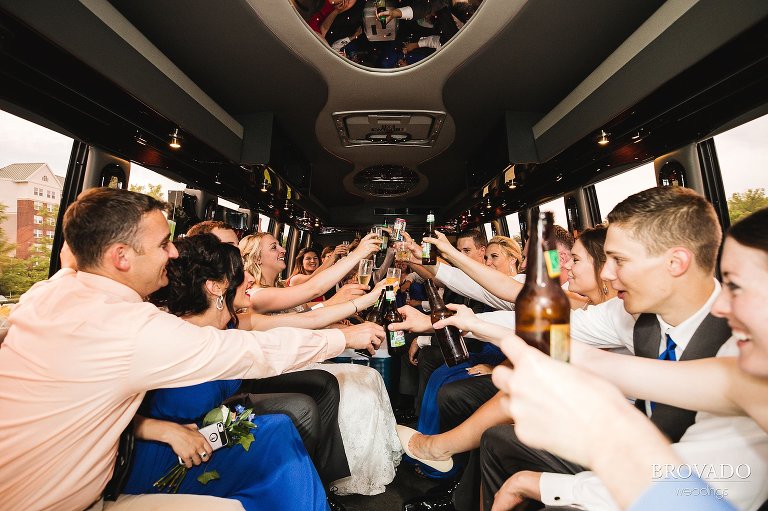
364 271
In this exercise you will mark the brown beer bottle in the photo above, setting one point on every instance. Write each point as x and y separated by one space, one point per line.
396 339
428 250
450 341
542 310
376 314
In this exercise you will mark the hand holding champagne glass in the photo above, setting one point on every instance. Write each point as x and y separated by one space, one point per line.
364 271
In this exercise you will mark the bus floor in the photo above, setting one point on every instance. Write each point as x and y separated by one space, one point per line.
407 485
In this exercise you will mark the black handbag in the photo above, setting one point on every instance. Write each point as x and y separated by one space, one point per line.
123 464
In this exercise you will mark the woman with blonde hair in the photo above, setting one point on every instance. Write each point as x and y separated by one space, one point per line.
503 254
365 418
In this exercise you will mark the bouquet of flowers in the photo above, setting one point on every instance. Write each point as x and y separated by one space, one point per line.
237 424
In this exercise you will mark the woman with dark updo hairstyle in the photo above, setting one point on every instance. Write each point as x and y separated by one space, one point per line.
203 290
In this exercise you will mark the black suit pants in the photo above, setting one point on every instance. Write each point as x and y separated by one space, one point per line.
456 402
311 399
502 454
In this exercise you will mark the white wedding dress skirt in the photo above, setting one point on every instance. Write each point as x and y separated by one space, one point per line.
367 425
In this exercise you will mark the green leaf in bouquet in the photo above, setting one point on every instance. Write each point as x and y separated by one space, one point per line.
215 415
207 477
246 440
248 424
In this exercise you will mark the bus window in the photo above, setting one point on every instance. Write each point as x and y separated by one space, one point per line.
147 181
488 230
557 207
614 190
33 162
284 237
263 223
743 158
513 225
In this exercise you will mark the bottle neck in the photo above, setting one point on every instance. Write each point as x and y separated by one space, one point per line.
435 301
543 266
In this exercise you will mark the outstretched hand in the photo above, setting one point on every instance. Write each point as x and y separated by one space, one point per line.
558 407
367 246
366 336
413 321
464 319
441 242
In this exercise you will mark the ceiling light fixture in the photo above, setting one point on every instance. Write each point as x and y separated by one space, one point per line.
603 140
139 138
175 142
217 180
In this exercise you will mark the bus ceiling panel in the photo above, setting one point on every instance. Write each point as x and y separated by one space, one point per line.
237 60
101 38
676 37
540 56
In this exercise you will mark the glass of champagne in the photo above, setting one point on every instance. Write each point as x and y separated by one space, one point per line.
393 278
379 232
402 252
364 271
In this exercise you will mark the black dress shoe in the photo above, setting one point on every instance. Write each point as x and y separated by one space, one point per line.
442 502
334 504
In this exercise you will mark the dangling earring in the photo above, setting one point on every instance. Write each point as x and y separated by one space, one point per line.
220 302
605 288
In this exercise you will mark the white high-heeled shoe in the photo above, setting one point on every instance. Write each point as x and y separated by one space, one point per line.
405 433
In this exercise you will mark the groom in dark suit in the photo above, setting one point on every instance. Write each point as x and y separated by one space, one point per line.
662 248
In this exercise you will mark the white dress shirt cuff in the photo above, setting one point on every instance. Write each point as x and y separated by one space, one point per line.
583 490
407 12
557 489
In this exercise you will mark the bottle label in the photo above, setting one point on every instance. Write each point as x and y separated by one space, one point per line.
397 338
391 296
552 259
426 249
430 217
560 342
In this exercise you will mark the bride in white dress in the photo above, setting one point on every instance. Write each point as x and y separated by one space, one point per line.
366 419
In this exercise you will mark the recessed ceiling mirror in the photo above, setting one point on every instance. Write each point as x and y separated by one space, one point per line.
386 34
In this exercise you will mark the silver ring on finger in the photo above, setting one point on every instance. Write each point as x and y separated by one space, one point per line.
203 454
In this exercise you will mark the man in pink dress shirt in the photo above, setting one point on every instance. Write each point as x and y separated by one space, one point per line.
84 347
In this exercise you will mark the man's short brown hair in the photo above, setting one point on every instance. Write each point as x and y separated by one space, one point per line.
207 227
478 238
101 217
668 216
563 236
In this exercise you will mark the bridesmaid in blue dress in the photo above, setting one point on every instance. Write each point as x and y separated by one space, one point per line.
504 255
276 472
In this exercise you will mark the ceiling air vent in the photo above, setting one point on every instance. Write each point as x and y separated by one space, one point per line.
386 180
417 128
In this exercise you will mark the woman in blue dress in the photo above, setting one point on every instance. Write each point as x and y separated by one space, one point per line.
502 254
276 471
